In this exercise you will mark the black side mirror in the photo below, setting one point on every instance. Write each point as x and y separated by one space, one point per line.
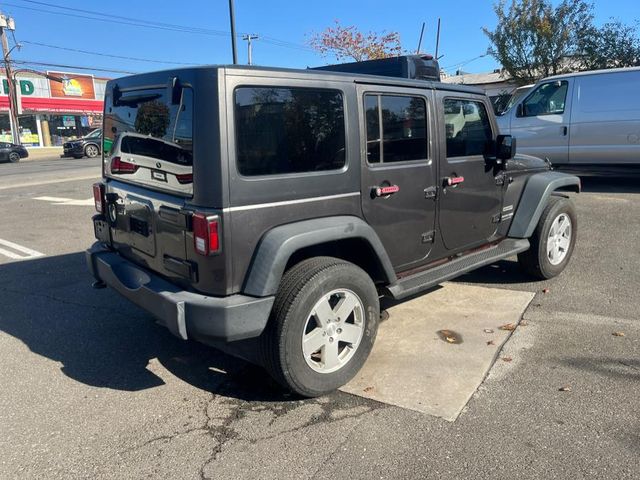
505 147
520 110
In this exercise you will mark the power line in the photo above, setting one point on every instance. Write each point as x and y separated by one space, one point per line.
46 64
118 19
87 52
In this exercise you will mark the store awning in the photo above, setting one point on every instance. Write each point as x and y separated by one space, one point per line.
54 105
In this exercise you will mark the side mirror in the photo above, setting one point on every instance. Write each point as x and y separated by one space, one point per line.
520 110
505 147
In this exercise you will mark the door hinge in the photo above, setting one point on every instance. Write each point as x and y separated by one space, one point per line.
428 237
431 192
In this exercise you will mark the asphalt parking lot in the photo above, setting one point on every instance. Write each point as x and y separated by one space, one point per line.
90 387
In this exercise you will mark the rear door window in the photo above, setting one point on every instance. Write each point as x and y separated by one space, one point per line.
289 130
396 128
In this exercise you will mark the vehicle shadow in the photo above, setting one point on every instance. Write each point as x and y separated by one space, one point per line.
103 340
610 184
507 272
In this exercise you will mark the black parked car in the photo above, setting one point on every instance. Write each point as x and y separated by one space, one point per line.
10 152
88 146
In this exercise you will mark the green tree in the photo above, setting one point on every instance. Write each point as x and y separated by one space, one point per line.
534 39
610 46
349 43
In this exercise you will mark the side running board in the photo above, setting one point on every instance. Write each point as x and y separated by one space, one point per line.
418 282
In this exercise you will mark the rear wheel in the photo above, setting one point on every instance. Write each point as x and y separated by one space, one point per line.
322 327
91 151
14 157
553 240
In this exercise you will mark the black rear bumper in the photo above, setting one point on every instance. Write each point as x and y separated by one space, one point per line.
185 314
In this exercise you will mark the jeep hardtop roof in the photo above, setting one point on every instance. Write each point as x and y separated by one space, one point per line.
278 72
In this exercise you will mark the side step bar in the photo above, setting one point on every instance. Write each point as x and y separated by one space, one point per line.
418 282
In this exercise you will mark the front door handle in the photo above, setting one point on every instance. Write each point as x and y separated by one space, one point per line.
565 130
452 181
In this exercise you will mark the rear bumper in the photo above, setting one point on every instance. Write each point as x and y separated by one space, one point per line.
185 314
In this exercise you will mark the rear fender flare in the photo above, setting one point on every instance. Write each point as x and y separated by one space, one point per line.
279 244
535 196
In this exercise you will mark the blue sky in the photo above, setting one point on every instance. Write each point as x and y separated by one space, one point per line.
276 21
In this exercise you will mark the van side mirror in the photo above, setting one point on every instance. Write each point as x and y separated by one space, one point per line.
505 147
520 110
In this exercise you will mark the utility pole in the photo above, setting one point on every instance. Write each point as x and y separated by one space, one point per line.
7 23
232 20
248 38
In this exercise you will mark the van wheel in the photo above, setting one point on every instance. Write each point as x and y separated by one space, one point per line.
552 241
322 327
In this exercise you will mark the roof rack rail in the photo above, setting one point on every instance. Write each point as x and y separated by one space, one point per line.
420 67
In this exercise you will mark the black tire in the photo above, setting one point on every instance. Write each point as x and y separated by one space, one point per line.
91 151
14 157
301 288
535 261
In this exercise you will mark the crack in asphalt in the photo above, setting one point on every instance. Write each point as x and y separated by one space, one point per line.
221 428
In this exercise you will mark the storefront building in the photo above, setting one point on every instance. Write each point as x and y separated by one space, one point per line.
54 108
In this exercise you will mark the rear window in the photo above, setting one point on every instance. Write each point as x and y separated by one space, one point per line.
289 130
147 128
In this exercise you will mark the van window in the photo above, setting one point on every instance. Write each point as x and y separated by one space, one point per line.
467 128
547 99
289 130
396 128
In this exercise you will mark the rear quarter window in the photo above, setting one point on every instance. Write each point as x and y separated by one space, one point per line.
288 130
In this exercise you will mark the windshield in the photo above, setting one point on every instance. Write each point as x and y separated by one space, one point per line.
94 133
515 97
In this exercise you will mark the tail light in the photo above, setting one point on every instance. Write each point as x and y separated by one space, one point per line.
120 166
206 235
98 197
184 178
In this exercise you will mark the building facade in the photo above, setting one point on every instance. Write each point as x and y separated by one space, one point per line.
53 107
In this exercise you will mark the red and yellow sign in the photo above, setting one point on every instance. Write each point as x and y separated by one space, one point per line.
71 85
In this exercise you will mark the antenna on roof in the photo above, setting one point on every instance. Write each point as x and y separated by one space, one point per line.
420 41
438 40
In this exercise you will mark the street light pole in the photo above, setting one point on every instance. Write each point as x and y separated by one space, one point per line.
7 23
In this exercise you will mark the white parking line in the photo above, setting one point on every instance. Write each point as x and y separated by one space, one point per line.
49 182
66 201
27 252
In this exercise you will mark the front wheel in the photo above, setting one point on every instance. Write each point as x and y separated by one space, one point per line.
322 327
14 157
553 240
91 151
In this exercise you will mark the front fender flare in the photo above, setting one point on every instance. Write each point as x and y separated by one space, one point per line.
278 244
535 196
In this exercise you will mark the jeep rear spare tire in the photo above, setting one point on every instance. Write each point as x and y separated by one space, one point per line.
322 327
552 241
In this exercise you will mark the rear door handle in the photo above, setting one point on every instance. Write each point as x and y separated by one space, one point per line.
385 191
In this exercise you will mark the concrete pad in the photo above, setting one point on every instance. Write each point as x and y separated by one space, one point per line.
413 366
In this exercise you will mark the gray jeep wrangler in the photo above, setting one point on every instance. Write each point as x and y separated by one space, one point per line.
265 211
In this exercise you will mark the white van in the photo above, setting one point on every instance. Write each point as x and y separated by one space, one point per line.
588 121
